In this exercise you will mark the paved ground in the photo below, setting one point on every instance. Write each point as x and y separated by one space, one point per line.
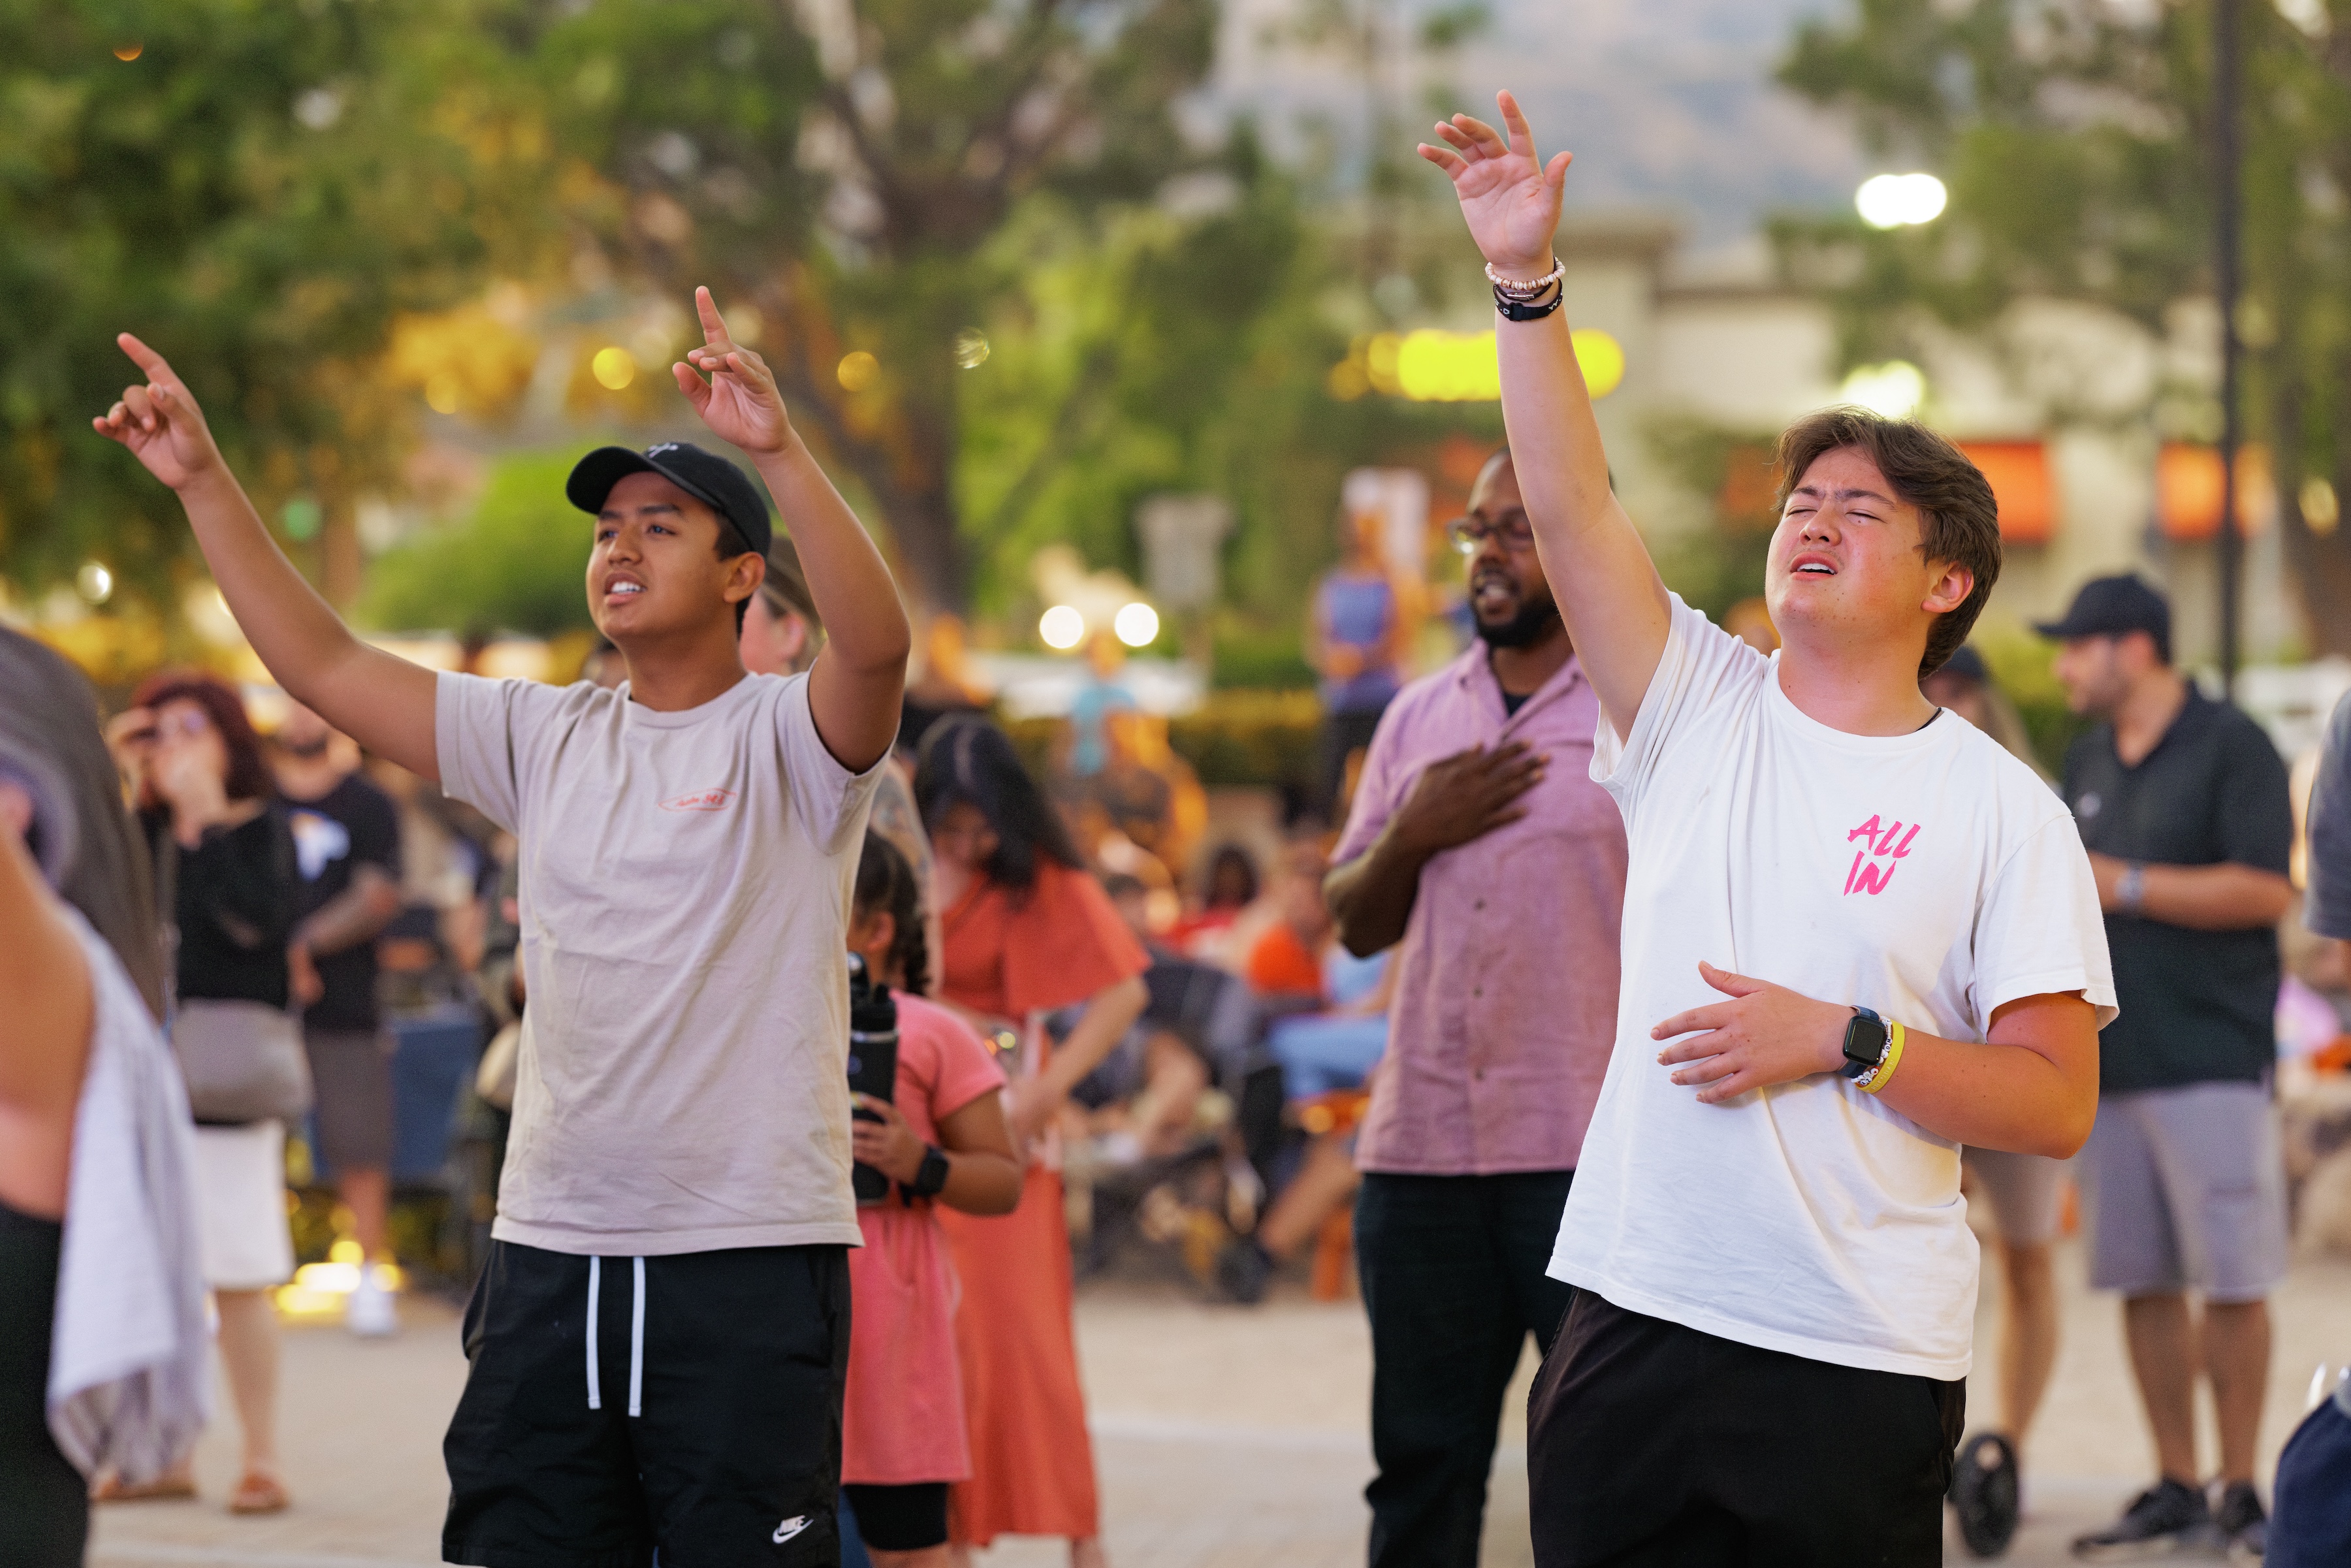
1228 1439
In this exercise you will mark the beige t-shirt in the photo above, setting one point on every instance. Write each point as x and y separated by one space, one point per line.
682 1080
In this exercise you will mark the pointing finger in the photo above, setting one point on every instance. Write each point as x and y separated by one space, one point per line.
145 357
713 325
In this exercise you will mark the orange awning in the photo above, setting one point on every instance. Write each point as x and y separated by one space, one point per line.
2188 490
2021 483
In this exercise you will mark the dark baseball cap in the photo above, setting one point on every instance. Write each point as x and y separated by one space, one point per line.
2110 606
709 478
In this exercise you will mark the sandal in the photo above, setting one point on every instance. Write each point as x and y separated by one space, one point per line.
258 1492
112 1488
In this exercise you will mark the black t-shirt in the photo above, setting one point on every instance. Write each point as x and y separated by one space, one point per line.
353 824
235 898
2197 1007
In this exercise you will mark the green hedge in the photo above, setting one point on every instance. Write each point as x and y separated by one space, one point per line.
1236 737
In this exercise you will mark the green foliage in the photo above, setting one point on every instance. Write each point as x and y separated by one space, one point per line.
517 564
2021 665
1260 739
2076 140
256 193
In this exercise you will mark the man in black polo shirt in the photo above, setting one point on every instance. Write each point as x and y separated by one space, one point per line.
2183 805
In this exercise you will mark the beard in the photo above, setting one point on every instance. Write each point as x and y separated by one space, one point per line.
1535 620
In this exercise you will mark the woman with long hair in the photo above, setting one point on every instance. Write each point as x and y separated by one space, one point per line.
1027 930
942 1142
101 1327
226 876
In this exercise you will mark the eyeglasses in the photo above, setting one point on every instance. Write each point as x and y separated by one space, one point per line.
1469 534
185 724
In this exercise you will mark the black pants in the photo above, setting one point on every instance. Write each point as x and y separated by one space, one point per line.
1453 1281
44 1501
1650 1445
690 1403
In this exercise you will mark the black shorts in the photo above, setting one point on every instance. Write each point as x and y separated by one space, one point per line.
706 1422
1650 1443
900 1518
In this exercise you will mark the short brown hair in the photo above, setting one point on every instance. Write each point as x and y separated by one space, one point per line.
247 777
1959 519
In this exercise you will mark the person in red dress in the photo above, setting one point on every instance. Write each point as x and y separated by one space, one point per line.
1027 930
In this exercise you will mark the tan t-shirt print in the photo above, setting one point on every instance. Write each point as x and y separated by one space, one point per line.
684 895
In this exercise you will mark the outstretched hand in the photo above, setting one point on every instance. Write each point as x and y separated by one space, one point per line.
1765 1034
159 422
1509 198
739 402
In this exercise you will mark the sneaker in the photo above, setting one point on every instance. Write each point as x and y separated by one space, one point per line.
370 1310
1984 1493
1244 1270
2166 1516
2245 1526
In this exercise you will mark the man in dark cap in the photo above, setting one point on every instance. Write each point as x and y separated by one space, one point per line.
2183 805
681 1108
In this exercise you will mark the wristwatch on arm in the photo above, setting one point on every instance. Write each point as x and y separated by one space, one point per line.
1866 1041
932 1174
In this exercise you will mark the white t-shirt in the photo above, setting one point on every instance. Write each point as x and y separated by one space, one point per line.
682 1080
1930 876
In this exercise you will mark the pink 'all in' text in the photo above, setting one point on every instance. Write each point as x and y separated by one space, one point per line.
1873 863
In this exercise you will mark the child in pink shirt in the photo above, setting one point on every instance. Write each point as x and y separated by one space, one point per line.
944 1140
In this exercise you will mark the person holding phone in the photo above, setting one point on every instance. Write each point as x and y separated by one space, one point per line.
940 1140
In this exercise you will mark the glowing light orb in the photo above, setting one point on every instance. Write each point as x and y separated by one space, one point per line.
1062 627
1137 624
614 367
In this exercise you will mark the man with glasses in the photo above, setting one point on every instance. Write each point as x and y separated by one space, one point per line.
1479 842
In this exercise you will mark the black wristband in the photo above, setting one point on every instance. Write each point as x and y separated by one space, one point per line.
1518 310
931 1177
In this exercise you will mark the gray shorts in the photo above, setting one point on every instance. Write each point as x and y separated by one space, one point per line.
2026 1193
352 1070
2185 1189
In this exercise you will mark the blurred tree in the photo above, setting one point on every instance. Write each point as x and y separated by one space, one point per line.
518 562
256 189
2074 138
839 170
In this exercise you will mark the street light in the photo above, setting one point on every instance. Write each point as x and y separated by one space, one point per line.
1899 201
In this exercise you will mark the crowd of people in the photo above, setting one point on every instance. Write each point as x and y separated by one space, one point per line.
1652 992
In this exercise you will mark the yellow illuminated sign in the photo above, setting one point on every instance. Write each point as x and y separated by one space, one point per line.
1431 366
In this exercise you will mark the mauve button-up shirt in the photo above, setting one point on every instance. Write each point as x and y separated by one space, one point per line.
1505 1008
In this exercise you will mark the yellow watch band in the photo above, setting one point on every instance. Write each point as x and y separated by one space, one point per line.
1878 1076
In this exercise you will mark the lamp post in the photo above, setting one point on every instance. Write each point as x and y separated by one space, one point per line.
2227 264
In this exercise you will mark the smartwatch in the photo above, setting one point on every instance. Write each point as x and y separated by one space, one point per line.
1867 1039
931 1177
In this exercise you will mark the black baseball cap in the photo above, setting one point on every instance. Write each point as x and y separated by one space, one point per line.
709 478
2110 606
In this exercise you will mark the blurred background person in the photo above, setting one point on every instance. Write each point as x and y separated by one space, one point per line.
103 1352
947 685
1027 931
1355 639
1227 885
347 851
230 898
2183 806
943 1143
2026 1197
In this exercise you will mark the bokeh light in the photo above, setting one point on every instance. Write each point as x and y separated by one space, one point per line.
1062 627
971 348
857 371
129 51
615 368
1137 624
1892 200
1432 366
1894 388
94 583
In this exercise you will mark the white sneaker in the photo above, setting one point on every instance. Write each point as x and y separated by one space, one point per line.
370 1310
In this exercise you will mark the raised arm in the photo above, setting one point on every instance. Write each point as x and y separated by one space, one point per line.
381 701
860 676
1600 572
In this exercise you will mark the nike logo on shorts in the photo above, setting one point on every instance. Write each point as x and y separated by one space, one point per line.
791 1528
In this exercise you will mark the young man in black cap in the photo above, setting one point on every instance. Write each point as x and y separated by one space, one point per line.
687 843
2183 806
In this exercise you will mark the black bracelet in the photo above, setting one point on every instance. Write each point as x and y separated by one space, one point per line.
931 1177
1518 310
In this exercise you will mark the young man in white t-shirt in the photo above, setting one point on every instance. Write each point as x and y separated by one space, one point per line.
1857 936
660 1336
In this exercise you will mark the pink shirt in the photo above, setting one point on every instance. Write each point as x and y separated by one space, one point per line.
1505 988
902 1419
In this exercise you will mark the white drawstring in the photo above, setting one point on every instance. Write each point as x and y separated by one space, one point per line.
595 1386
637 1343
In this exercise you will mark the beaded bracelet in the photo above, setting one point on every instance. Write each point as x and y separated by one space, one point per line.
1511 288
